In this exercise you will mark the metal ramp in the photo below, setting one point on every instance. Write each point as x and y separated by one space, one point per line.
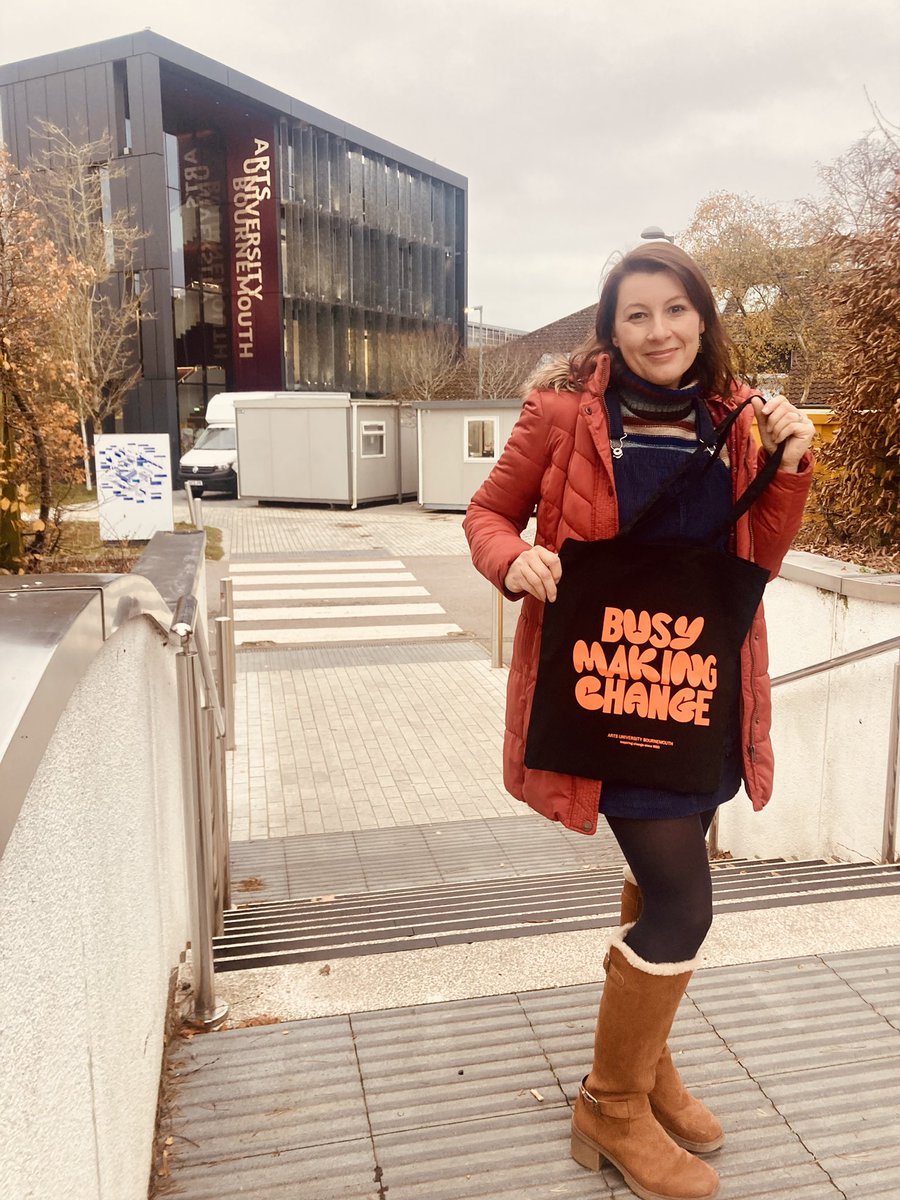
470 1100
385 922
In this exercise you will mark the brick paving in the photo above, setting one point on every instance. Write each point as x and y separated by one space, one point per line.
401 529
368 744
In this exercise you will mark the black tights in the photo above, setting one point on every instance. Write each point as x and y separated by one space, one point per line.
670 863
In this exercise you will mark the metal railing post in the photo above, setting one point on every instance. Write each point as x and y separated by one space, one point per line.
497 629
889 840
712 837
189 496
226 606
225 676
217 853
196 784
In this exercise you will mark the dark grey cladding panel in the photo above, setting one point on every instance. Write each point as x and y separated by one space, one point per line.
46 64
138 408
153 216
23 137
76 105
96 52
157 333
138 102
144 89
57 108
98 83
36 101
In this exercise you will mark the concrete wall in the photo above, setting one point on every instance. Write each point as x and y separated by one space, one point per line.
830 732
94 918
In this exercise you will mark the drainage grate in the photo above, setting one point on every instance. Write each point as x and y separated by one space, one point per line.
415 918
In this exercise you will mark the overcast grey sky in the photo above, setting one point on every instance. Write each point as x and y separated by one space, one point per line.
577 123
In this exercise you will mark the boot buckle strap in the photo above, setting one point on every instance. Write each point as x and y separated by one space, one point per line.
624 1109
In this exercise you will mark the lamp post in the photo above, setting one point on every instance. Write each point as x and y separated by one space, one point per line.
479 308
655 234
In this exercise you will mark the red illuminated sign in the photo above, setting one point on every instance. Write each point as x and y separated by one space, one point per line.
256 341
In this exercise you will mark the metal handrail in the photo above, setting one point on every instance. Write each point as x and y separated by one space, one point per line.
185 624
202 725
839 660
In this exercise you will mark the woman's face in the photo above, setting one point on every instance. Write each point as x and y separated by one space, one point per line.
656 328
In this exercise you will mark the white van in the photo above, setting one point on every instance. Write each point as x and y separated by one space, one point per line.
211 463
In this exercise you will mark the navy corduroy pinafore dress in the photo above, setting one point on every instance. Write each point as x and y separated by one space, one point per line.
641 464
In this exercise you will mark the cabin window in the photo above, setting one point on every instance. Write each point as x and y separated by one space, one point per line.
371 439
481 439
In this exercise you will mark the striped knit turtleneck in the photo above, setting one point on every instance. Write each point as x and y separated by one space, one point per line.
659 417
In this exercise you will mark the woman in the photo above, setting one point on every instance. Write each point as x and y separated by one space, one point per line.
597 437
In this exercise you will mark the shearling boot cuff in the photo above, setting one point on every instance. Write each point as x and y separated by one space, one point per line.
618 942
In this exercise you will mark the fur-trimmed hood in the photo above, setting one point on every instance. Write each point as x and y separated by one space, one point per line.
553 373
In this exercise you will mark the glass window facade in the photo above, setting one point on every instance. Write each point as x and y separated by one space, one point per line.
371 251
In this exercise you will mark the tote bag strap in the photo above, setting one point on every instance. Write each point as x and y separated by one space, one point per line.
697 464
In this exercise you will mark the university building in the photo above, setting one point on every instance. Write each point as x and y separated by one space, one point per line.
285 249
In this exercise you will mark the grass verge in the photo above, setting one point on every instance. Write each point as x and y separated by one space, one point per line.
81 550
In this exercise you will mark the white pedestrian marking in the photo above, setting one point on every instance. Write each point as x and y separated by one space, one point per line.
333 593
262 616
362 633
325 577
331 612
378 564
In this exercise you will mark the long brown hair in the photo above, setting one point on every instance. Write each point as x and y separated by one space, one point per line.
713 368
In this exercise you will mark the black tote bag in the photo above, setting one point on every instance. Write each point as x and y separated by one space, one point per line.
640 652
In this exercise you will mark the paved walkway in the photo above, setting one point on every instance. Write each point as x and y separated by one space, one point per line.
364 738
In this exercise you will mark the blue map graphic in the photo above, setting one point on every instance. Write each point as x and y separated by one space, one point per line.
134 472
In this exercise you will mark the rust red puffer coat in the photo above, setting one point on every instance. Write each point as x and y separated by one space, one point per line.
558 456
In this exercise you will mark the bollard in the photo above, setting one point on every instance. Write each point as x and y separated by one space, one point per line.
196 784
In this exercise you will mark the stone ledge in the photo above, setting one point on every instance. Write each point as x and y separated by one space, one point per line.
848 579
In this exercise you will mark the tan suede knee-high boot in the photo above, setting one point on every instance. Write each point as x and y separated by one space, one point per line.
612 1119
685 1119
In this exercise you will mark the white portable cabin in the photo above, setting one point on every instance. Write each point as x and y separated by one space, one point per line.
324 448
459 442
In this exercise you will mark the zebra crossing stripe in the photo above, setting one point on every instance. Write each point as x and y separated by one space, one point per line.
325 577
357 633
379 564
331 612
